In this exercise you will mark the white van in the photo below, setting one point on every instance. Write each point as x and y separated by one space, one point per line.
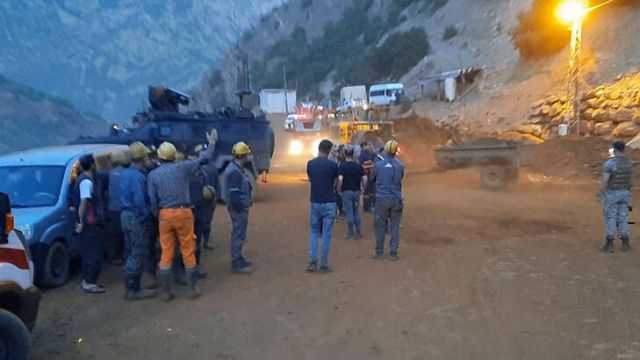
385 94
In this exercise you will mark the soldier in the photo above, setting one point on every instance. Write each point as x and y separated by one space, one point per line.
616 196
238 199
388 174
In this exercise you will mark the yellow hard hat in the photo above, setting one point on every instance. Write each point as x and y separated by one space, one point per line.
120 158
167 151
391 147
138 151
208 193
241 148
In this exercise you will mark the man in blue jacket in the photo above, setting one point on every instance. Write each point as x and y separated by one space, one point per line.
238 198
388 174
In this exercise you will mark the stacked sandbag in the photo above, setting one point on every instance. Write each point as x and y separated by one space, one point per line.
610 111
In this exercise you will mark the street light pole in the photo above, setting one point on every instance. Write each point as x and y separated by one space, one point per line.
574 75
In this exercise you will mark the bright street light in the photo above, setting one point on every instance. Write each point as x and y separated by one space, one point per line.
571 11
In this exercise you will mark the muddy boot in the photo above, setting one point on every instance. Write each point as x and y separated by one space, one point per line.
191 275
201 274
166 278
608 245
134 292
625 244
152 282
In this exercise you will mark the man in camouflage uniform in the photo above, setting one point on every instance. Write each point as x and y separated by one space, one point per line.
616 196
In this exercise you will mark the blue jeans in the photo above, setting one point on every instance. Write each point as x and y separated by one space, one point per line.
239 220
136 243
351 201
387 211
616 212
321 221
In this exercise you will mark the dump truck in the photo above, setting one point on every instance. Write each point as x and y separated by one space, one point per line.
498 161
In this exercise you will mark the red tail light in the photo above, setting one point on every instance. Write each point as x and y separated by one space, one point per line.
16 257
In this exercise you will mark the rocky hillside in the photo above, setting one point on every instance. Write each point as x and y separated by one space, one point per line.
29 118
101 55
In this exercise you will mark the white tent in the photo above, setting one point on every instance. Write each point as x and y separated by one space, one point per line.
277 101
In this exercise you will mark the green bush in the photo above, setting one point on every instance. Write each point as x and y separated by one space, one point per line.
450 32
537 33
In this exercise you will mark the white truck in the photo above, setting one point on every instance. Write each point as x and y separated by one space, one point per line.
353 97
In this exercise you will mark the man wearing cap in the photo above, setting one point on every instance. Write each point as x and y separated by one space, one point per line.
616 196
238 199
388 174
88 227
134 217
115 238
168 189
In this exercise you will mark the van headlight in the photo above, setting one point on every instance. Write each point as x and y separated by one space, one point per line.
296 148
26 230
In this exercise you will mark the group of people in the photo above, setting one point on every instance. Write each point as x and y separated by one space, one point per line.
158 197
338 180
150 198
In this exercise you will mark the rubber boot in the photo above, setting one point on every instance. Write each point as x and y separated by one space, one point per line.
135 292
191 275
625 244
129 286
166 278
608 245
152 282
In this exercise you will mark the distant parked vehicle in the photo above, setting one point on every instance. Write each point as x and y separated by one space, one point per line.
352 98
19 298
385 94
39 182
289 122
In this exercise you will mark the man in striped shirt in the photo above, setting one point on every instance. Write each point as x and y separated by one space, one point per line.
168 188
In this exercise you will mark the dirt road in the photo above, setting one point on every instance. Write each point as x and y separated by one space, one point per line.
482 275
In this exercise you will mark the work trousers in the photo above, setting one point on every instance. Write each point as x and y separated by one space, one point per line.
114 243
239 223
176 224
322 218
351 201
136 243
91 246
203 216
387 211
616 212
368 197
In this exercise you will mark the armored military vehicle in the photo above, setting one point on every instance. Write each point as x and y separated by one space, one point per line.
164 121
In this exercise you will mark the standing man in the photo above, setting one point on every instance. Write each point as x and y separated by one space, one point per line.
202 198
238 199
115 237
616 195
323 175
88 225
388 174
134 218
351 181
367 156
168 188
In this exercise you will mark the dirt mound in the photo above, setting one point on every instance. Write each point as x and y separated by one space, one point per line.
418 136
571 157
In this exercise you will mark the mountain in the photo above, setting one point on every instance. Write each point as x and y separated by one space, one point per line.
29 118
102 54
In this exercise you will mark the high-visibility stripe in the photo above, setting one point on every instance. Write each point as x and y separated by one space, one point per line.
16 257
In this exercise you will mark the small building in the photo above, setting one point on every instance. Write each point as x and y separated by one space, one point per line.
278 101
449 85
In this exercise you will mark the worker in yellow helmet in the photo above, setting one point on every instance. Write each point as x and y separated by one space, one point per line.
387 175
237 195
168 190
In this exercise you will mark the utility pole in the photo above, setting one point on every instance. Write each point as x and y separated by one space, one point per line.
284 75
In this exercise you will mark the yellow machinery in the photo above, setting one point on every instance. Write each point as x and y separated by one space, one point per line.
354 130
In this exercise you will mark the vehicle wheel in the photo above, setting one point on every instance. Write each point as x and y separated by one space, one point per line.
56 266
493 177
15 340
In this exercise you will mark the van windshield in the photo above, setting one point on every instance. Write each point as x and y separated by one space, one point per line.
31 186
